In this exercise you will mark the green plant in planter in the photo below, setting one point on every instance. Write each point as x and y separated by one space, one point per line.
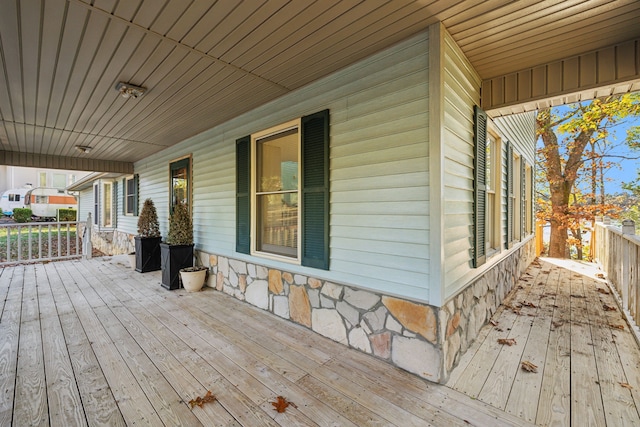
148 225
177 250
148 239
180 226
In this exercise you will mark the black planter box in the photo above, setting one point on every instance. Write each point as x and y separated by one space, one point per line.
173 258
147 253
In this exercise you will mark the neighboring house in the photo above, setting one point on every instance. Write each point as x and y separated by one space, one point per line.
378 206
18 177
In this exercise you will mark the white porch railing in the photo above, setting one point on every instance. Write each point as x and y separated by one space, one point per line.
39 241
617 250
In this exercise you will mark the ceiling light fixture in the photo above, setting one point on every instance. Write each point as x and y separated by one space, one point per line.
83 148
130 91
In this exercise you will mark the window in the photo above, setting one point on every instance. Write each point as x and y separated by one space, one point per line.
275 190
96 203
42 179
528 200
517 197
41 199
180 185
492 224
59 180
104 204
14 197
107 204
130 195
282 192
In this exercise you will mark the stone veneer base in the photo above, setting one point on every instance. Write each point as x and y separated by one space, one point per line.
425 340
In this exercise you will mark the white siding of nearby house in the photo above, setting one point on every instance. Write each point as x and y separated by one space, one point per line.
461 93
85 204
379 172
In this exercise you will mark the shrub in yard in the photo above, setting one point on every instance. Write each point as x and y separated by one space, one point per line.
22 215
67 214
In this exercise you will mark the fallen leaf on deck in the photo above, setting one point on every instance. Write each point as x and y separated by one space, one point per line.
608 307
528 366
577 296
557 324
282 404
507 341
621 327
603 291
202 400
528 304
600 276
625 385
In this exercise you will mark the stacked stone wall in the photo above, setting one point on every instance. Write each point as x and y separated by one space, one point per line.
425 340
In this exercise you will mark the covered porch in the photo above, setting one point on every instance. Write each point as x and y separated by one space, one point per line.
93 343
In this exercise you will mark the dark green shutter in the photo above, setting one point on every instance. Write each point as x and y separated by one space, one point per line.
315 190
509 192
136 190
243 195
124 196
480 186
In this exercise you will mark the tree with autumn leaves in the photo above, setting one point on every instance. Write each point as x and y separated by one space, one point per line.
574 146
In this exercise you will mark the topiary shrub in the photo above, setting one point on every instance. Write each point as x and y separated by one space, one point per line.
148 225
67 214
22 214
180 226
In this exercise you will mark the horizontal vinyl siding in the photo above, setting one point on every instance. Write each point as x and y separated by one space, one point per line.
379 223
520 130
461 93
125 222
85 204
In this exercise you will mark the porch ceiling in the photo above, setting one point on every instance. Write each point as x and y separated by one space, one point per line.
205 62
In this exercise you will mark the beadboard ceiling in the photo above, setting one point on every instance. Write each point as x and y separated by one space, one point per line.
205 62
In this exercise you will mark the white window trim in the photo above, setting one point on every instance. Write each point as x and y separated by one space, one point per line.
293 124
126 196
496 180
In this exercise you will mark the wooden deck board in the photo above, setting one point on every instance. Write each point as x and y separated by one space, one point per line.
104 345
582 362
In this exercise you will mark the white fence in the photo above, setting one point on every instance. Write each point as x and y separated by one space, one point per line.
37 242
618 253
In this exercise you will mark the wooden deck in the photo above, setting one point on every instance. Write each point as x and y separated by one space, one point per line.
565 321
94 343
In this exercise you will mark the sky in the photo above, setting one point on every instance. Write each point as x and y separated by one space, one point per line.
623 170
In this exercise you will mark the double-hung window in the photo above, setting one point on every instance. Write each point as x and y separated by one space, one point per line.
275 189
130 195
282 192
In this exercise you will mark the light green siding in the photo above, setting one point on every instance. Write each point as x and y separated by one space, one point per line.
461 93
379 172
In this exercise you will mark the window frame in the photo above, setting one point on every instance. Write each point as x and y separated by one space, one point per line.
254 194
493 217
103 207
174 165
130 200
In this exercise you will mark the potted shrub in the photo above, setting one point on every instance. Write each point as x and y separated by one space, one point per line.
147 241
177 250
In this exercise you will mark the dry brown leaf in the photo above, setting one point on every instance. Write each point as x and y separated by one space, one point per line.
507 341
577 296
603 291
625 385
281 404
528 366
202 400
608 307
528 304
600 276
557 324
621 327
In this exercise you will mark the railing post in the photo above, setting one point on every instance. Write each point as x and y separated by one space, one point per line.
87 248
628 228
